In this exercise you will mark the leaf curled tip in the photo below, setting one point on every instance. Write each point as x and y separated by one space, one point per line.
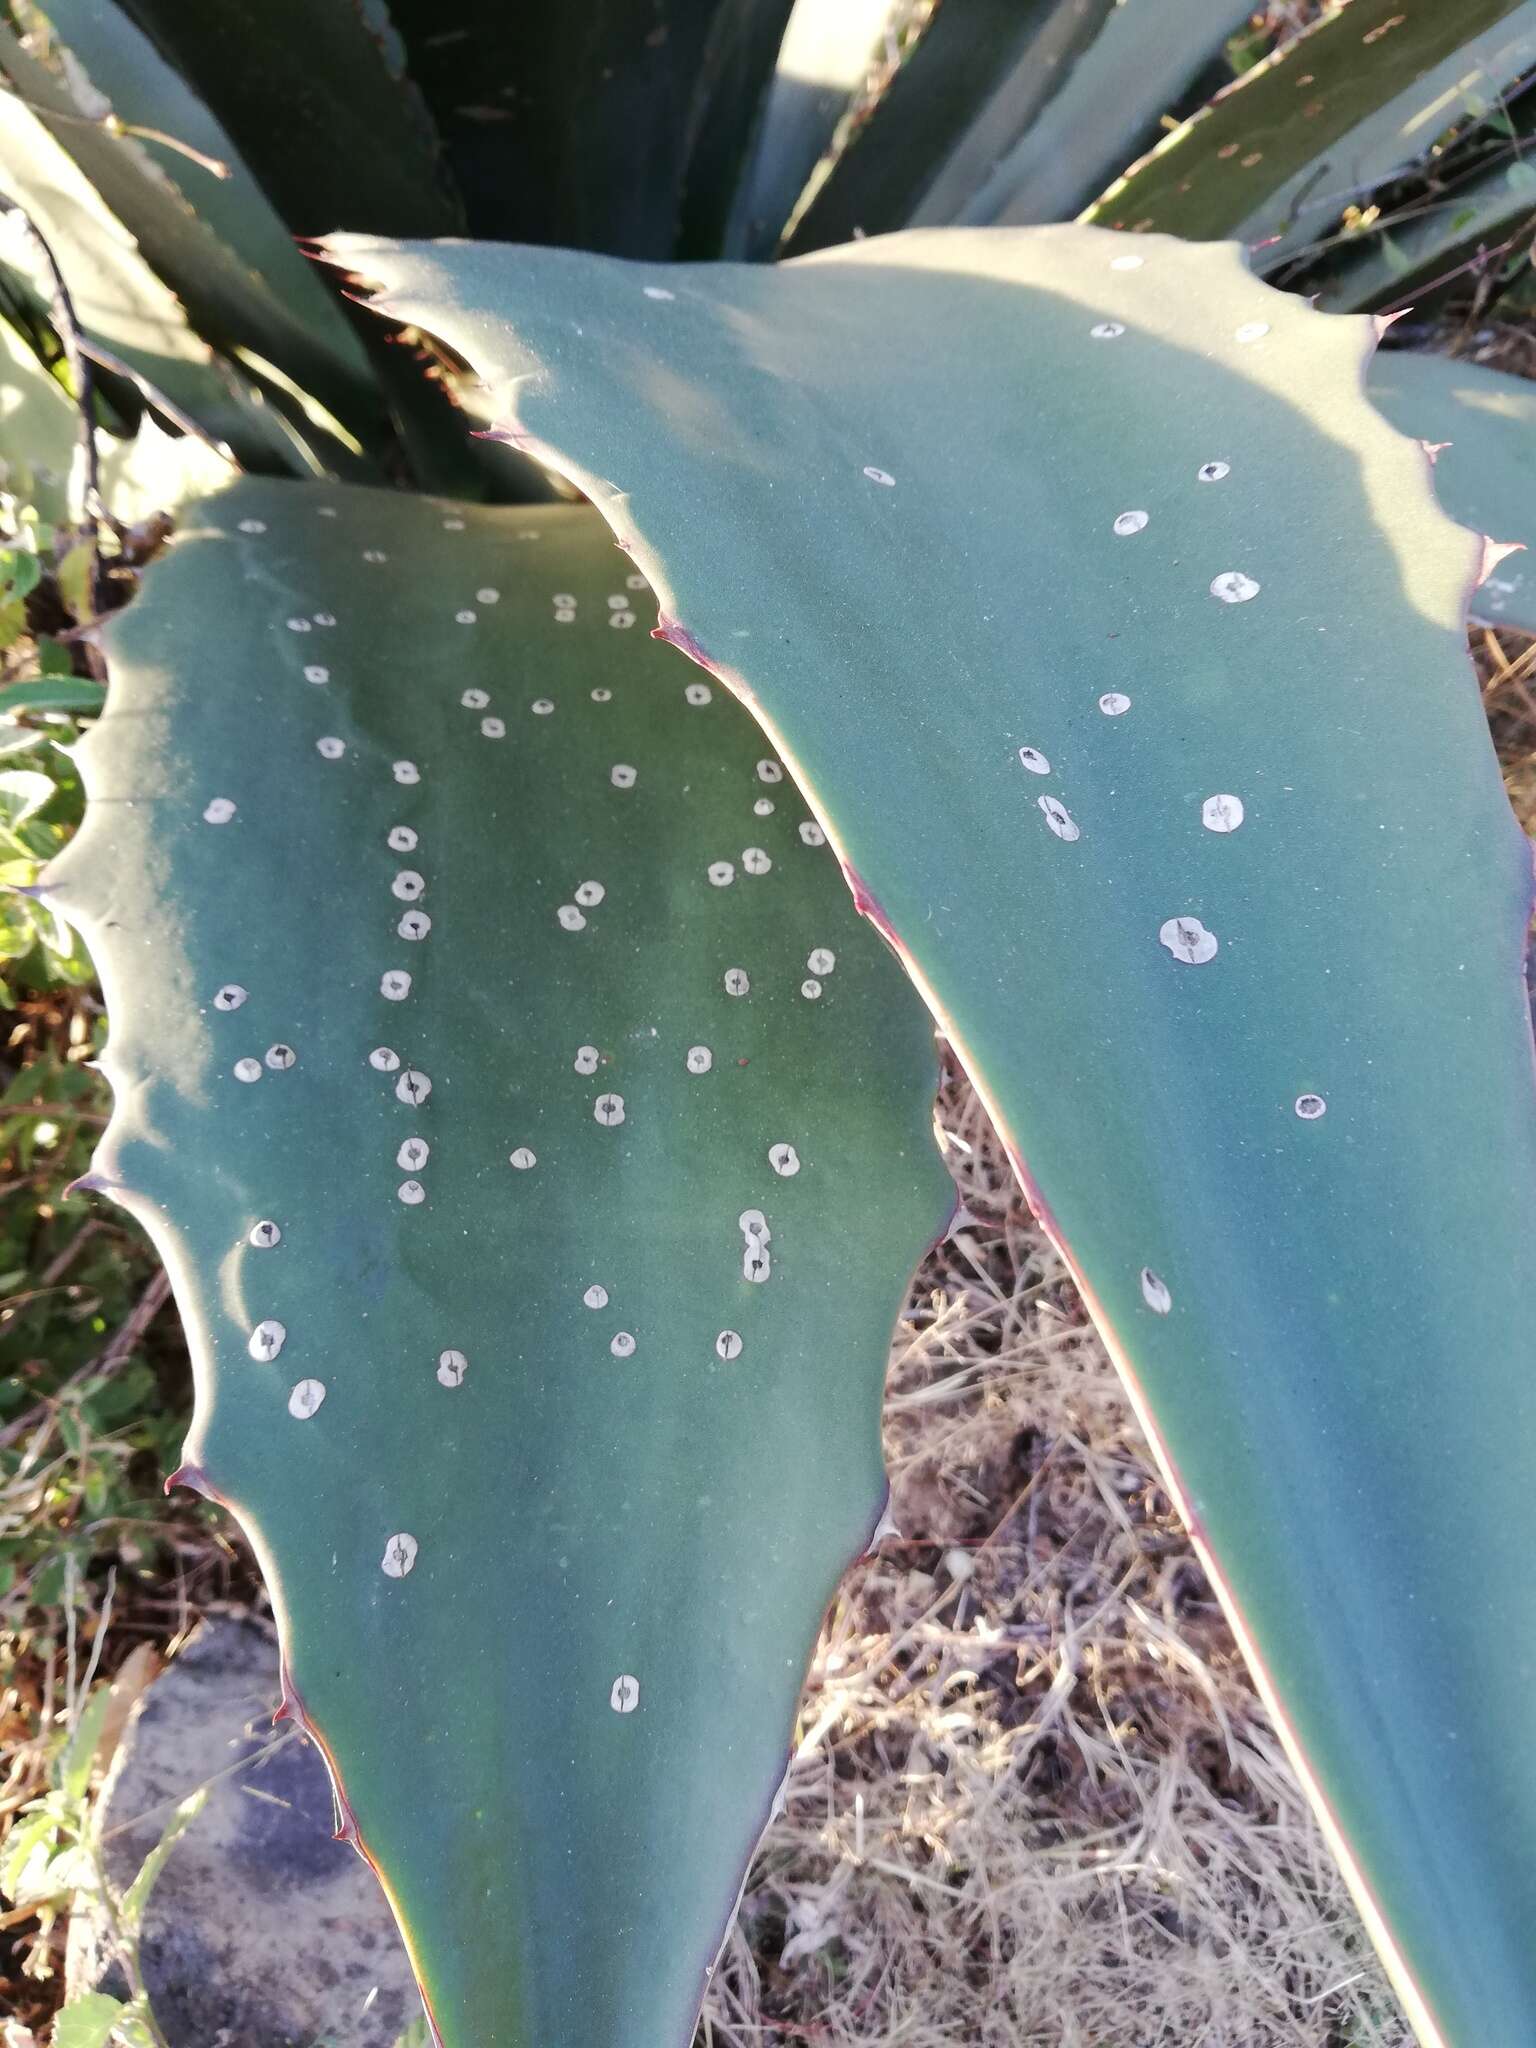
1433 449
89 1183
192 1477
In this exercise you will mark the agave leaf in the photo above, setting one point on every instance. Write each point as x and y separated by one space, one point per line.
1467 229
176 208
580 124
1285 132
827 51
1124 663
317 105
1483 424
1106 110
149 473
118 299
472 978
978 71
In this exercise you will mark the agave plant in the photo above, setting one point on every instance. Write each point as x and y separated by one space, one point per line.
506 1058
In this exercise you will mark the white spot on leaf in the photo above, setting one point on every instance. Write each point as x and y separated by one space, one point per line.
1032 759
621 775
699 1059
230 996
1188 940
411 1192
399 1557
1114 704
1130 522
306 1398
769 771
493 728
589 894
623 1344
1059 818
315 673
697 693
728 1344
811 833
413 1154
1212 472
475 700
264 1235
1222 813
1155 1292
736 981
385 1058
407 885
608 1109
524 1158
571 918
624 1696
596 1297
219 810
755 861
879 476
280 1057
810 988
1107 330
395 985
586 1059
1252 330
413 1086
1233 587
451 1368
330 748
401 839
784 1160
266 1340
722 873
414 925
247 1070
405 772
1310 1107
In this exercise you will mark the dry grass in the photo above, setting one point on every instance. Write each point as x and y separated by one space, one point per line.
1035 1798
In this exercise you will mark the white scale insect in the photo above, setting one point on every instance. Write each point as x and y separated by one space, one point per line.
306 1398
451 1368
399 1557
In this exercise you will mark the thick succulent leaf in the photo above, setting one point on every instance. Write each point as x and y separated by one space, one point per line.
579 124
1483 425
1123 660
474 972
1064 33
1469 227
1145 57
313 94
827 52
214 238
117 297
1287 129
979 69
149 473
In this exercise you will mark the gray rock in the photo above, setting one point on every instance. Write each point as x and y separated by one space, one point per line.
262 1932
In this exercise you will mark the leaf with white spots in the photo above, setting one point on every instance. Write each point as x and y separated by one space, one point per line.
504 1143
1142 1008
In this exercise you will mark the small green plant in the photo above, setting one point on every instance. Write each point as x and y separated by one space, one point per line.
531 1126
